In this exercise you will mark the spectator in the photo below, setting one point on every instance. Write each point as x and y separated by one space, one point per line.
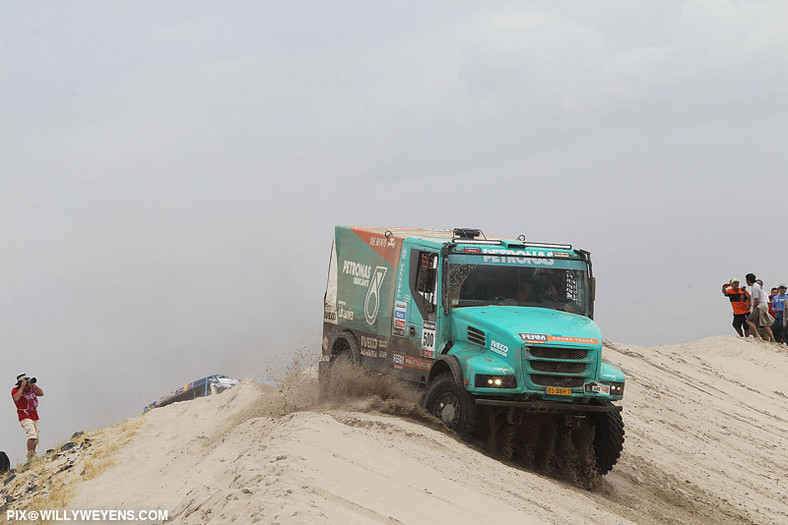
740 301
772 293
759 317
778 305
25 395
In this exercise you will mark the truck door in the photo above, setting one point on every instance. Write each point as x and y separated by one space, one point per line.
416 322
422 320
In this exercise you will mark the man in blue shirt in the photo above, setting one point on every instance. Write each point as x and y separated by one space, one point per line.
778 306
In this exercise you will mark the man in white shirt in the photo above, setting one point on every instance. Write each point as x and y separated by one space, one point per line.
759 317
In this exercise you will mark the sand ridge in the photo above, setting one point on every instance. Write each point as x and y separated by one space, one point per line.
706 443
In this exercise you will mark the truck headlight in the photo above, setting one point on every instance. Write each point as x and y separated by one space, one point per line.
488 381
616 389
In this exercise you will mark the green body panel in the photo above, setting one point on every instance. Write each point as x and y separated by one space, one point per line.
510 333
373 294
366 280
610 372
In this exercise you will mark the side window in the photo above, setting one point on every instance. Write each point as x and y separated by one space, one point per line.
424 279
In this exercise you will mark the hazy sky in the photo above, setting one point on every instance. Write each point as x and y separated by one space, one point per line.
172 171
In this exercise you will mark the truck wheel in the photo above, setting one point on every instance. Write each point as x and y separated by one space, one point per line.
608 440
344 348
452 404
344 354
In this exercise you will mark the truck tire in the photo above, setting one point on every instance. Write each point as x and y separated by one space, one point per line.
608 440
343 352
452 404
344 348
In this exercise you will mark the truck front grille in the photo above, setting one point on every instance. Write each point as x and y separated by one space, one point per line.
548 364
562 381
551 352
558 367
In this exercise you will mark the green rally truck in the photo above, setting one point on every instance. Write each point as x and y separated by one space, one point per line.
495 332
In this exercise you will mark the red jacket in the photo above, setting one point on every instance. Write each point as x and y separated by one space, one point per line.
27 405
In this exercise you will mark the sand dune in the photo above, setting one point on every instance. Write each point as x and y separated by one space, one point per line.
706 443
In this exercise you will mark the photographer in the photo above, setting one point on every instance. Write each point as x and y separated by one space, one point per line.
25 395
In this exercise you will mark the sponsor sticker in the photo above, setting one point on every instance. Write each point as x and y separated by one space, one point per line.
415 362
379 242
369 342
533 338
400 315
383 242
344 312
544 338
525 257
361 273
372 300
499 348
398 360
428 339
373 346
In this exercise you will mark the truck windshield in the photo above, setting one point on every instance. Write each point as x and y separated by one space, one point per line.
563 285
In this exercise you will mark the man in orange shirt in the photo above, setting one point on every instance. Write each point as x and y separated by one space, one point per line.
740 301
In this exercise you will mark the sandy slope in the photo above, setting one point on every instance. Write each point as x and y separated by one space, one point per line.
706 443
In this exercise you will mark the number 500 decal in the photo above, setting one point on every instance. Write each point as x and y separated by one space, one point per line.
428 339
372 300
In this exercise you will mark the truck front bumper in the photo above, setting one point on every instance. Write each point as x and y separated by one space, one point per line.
550 407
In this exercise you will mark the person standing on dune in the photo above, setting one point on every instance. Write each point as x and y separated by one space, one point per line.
740 301
759 317
778 307
25 395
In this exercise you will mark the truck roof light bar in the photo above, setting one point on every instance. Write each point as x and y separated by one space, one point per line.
474 241
548 245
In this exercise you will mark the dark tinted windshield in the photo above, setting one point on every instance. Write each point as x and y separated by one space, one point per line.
547 287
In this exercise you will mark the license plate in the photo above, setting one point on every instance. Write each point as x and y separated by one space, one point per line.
558 391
